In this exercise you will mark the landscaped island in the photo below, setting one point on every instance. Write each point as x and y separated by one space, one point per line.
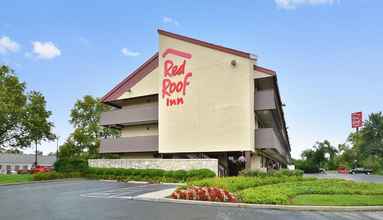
294 189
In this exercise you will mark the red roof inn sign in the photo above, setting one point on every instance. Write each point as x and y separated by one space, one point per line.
176 77
356 119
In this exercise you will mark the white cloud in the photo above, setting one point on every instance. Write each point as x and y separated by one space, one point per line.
8 45
45 50
293 4
129 53
169 20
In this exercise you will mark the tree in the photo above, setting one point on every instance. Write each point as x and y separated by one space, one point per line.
322 155
37 118
371 136
368 142
23 117
85 139
12 102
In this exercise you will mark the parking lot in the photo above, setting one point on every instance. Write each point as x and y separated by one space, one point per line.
355 177
98 200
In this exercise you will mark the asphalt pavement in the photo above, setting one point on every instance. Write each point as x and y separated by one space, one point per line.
355 177
98 200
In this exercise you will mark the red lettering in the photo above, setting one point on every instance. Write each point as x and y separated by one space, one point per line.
177 101
173 70
181 69
165 85
172 88
179 86
167 67
169 87
186 82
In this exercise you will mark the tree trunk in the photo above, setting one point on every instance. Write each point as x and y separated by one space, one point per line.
36 154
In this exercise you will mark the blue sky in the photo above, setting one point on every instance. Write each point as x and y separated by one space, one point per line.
327 53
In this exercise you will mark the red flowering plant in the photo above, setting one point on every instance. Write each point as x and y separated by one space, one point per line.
213 194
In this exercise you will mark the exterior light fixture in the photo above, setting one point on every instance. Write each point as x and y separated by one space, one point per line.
233 63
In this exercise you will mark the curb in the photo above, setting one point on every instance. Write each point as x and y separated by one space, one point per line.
43 181
264 206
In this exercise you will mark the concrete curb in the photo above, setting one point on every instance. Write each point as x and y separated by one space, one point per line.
159 196
43 181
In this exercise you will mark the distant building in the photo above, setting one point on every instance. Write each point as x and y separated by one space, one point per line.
15 162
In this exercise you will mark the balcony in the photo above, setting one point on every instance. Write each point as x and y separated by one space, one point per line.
264 100
131 115
267 139
129 144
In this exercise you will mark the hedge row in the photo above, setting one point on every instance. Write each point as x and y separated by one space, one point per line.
71 165
52 175
236 183
152 175
281 172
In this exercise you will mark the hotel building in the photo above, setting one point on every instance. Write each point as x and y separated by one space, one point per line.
193 99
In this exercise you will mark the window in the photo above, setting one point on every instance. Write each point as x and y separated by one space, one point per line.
25 167
9 167
17 167
1 167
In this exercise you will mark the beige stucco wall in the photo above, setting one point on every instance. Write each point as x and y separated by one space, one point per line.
217 114
146 86
140 130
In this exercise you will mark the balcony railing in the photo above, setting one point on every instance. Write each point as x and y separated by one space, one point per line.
129 144
132 115
264 100
266 138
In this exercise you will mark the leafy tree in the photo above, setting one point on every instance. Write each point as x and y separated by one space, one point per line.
368 142
13 132
85 139
322 155
347 156
371 136
37 120
23 117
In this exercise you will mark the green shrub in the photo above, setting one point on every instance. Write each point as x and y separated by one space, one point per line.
307 166
234 184
281 172
55 175
71 165
151 175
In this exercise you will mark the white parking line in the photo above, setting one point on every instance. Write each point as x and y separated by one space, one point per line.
124 193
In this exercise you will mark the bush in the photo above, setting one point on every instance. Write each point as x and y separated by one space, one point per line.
307 166
71 165
152 175
281 172
204 194
55 175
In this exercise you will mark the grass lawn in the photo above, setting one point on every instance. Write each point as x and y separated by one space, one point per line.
295 190
234 184
283 193
338 200
4 179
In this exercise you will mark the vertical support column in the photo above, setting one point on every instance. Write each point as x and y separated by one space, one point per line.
248 160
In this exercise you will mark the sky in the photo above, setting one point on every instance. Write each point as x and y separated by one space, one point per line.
327 53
